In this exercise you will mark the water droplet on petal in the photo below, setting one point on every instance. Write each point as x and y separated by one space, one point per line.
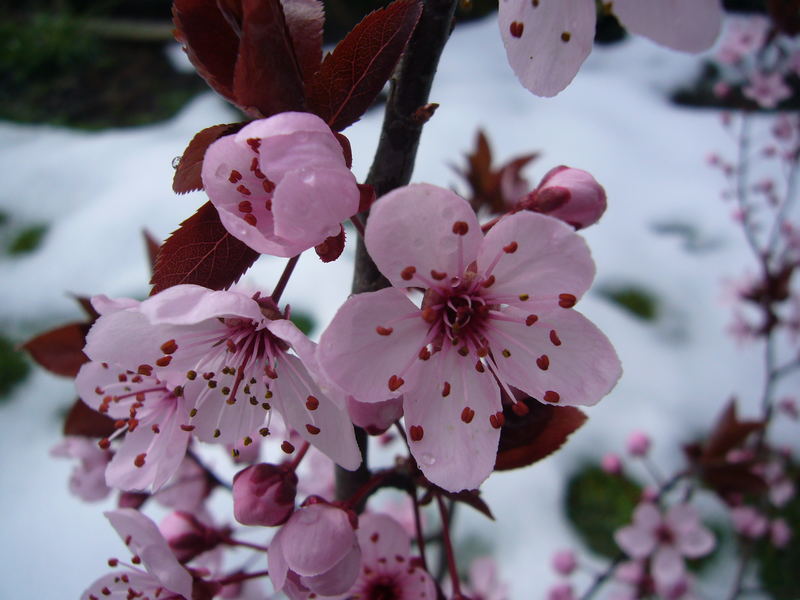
427 459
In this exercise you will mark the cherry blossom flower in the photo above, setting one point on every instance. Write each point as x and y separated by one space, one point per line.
281 185
484 581
749 522
547 40
496 313
667 539
767 89
163 576
611 464
743 37
564 562
228 353
88 478
572 195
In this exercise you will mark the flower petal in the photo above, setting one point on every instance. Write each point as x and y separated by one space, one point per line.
191 304
315 539
547 41
668 566
688 25
452 404
636 541
380 536
417 226
340 578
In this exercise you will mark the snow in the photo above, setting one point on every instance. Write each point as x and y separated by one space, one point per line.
98 191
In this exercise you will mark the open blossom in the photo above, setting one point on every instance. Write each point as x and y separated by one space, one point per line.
281 185
163 576
767 89
88 478
496 313
666 538
547 40
228 354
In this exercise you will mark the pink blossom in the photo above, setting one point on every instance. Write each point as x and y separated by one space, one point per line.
572 195
228 354
749 522
187 536
611 464
638 443
767 89
744 37
188 488
484 581
547 41
667 539
496 313
281 185
780 533
88 478
162 570
561 591
316 550
264 494
564 562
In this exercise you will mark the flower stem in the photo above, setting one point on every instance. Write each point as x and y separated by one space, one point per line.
287 273
448 548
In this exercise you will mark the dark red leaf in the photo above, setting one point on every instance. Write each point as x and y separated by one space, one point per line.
267 76
526 439
202 252
354 74
60 350
785 15
366 198
211 40
187 173
728 433
469 497
86 305
305 19
152 249
83 421
733 479
331 248
346 149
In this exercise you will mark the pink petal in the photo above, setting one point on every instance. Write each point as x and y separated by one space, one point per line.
187 490
145 540
192 304
352 342
458 447
688 25
316 538
142 341
413 226
577 362
647 515
534 35
103 304
550 259
380 536
416 584
667 566
276 562
682 518
340 578
375 417
304 407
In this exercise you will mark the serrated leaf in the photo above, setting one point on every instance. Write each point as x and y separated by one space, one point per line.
60 350
728 433
267 75
526 439
305 19
353 75
86 422
187 173
202 252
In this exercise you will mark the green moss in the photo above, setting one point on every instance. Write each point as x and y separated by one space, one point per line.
27 240
633 298
13 367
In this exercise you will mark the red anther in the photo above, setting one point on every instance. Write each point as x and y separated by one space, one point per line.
256 169
483 351
524 297
164 361
136 379
506 352
463 351
132 424
263 432
497 420
287 447
479 367
460 228
99 391
120 423
270 372
191 375
269 187
139 460
511 248
235 176
104 444
565 36
520 409
416 433
467 414
135 559
247 440
543 362
105 591
395 382
242 189
554 338
488 282
122 378
551 396
145 370
531 319
567 300
428 314
408 273
245 206
113 562
384 330
254 144
169 347
312 429
374 538
209 375
424 353
446 389
250 219
187 427
312 403
438 275
516 28
155 429
231 346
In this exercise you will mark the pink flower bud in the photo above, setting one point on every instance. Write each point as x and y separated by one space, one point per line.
264 494
375 417
187 536
747 521
611 464
638 443
564 562
561 591
572 195
780 533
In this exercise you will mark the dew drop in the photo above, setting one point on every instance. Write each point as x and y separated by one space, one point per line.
427 459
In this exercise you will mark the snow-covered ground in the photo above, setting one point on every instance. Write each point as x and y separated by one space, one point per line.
99 191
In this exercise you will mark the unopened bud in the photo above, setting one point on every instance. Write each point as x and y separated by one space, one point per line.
611 464
187 536
572 195
638 443
564 562
264 494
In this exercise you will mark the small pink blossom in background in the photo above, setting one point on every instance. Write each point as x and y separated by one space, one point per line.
162 571
781 486
749 522
497 313
744 36
780 534
794 62
187 490
572 195
638 443
316 550
767 89
281 185
187 536
611 464
264 494
721 89
649 494
561 591
483 582
546 42
667 539
564 562
88 478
